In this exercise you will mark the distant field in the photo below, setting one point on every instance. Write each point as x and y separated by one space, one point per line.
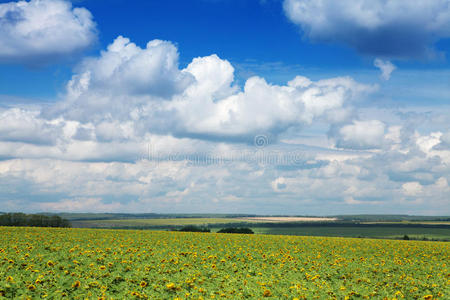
133 223
123 216
412 222
369 232
289 219
299 226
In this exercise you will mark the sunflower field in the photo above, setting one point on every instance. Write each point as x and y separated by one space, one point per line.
123 264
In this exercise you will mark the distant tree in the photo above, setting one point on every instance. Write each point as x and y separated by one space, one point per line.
35 220
406 237
32 220
243 230
193 228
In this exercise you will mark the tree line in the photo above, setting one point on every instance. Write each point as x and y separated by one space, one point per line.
32 220
194 228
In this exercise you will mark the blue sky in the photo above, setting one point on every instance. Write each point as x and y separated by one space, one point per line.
240 31
358 92
249 33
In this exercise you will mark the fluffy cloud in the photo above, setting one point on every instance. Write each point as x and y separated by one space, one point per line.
125 68
397 180
18 125
146 88
386 68
360 135
444 141
40 31
412 188
393 29
265 108
124 83
82 153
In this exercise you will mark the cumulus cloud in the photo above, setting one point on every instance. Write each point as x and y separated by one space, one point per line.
146 89
443 141
125 68
390 29
265 108
39 31
19 125
363 181
386 68
123 82
412 188
360 135
83 152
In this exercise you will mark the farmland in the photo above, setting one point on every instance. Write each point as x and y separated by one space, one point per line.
87 263
136 223
387 232
289 219
393 228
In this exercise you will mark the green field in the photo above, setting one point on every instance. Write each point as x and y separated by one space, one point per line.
435 230
122 216
375 232
128 264
133 223
410 222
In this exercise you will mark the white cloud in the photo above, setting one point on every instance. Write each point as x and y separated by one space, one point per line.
375 180
81 205
19 125
279 184
125 68
214 77
146 90
265 108
443 142
412 188
360 135
386 68
82 153
391 29
40 31
124 83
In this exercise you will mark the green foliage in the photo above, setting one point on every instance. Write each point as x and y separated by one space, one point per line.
243 230
33 220
193 228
